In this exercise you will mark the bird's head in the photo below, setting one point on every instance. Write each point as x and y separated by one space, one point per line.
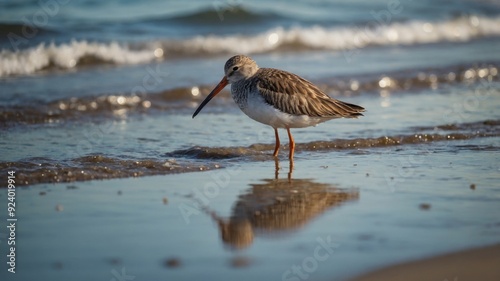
239 67
236 68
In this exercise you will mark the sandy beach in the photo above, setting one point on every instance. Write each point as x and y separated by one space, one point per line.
335 217
475 264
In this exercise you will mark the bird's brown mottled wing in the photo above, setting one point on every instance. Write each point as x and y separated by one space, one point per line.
295 95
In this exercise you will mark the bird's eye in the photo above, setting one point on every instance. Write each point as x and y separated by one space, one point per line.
235 68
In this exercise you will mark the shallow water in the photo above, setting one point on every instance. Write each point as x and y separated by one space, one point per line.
241 222
156 143
115 175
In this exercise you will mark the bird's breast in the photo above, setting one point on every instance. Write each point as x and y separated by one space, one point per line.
240 93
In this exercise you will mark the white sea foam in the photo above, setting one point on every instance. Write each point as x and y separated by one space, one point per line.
346 38
337 39
68 56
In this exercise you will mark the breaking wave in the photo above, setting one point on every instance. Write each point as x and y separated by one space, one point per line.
78 53
340 38
66 56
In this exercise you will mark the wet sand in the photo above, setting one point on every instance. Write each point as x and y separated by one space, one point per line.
248 221
470 265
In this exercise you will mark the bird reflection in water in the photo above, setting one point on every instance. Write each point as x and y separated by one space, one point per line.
277 205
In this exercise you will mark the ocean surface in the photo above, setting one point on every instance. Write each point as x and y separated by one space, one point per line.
94 90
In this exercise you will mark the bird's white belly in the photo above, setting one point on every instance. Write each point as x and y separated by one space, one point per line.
256 108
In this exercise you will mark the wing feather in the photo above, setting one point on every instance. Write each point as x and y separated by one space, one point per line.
295 95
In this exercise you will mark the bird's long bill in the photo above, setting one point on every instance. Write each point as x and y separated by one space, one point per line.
223 83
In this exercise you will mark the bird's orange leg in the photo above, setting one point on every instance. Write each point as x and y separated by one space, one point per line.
292 144
277 147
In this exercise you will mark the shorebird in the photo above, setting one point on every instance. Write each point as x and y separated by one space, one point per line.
279 98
